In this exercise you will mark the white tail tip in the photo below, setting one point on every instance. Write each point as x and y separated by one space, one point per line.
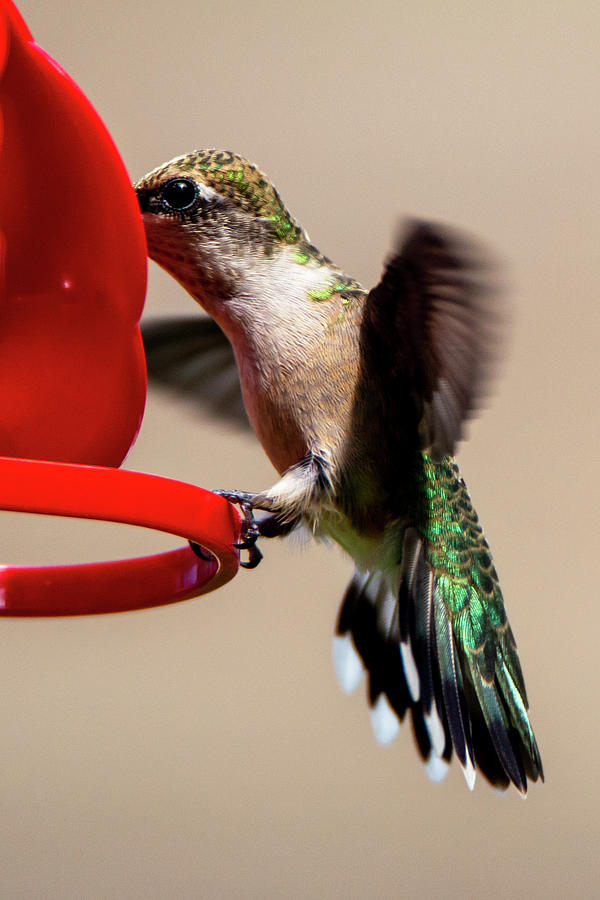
435 729
436 768
384 721
469 773
347 663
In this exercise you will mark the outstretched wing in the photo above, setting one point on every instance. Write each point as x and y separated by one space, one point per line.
192 357
433 324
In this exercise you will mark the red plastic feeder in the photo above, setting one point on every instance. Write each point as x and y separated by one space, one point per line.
72 365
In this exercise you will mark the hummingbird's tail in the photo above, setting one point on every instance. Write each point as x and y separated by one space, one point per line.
435 641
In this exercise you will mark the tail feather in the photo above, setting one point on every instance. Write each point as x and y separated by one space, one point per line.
486 757
452 691
516 702
376 638
500 731
512 663
421 734
416 619
364 618
416 594
436 642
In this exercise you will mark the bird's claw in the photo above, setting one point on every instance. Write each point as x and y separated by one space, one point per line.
250 531
254 555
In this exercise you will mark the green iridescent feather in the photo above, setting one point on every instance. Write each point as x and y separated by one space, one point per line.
468 596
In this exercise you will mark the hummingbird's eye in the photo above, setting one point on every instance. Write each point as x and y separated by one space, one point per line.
180 194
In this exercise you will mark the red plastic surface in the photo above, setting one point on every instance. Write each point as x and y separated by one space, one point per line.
116 495
72 366
72 268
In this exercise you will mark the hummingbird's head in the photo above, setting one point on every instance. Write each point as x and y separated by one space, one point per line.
210 218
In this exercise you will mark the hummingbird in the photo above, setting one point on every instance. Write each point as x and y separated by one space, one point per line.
358 398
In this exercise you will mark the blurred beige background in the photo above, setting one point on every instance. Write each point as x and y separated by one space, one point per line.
203 750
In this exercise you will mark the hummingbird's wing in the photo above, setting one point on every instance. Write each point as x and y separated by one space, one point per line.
191 356
435 322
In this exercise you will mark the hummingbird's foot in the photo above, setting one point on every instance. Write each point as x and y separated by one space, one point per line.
250 527
249 536
236 497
